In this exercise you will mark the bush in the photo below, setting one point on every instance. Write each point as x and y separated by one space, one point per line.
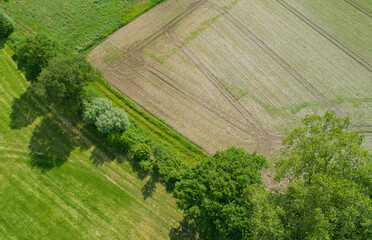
168 166
34 52
95 108
129 138
6 25
140 152
89 94
113 120
146 165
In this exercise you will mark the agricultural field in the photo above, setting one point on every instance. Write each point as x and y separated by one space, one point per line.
244 72
60 181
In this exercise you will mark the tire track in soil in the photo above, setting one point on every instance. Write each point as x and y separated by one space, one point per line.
278 59
134 54
208 74
360 8
354 55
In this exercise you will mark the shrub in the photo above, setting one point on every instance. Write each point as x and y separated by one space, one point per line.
168 165
89 94
146 165
95 108
140 152
113 120
6 25
34 52
132 136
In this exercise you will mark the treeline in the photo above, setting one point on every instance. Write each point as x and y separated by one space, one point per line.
326 193
326 173
61 80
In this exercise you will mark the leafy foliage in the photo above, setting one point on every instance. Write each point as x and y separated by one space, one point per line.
95 108
34 52
329 208
212 193
6 25
325 145
140 151
113 120
168 166
62 82
89 94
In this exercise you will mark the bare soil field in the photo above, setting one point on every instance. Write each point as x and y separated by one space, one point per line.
243 73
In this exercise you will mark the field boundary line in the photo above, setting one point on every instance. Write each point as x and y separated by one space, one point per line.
351 53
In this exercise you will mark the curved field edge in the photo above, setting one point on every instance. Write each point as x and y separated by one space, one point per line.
77 199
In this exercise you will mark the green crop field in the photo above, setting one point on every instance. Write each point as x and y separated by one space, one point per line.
77 24
244 72
59 182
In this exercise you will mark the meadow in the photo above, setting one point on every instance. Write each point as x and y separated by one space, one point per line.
243 73
78 24
58 180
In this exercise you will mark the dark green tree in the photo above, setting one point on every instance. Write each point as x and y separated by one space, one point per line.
34 52
214 195
6 25
62 82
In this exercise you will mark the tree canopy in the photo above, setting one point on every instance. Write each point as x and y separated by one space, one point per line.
329 196
213 193
324 145
62 81
34 52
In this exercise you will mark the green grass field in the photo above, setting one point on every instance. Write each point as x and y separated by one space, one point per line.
77 24
58 181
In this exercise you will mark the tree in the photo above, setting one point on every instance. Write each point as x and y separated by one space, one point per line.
112 120
329 208
95 108
329 196
62 82
325 145
213 194
6 25
34 52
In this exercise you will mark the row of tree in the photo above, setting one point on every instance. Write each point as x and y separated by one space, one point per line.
328 173
327 194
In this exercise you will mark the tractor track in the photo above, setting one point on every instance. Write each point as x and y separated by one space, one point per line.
360 8
207 73
134 53
359 59
278 59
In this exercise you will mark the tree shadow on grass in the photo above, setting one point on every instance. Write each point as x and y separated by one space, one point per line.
24 111
185 231
50 145
149 188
